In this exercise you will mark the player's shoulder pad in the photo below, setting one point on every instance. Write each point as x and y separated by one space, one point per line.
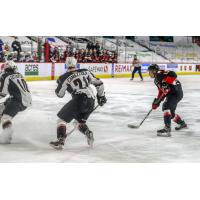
172 74
82 70
19 74
93 74
64 76
4 75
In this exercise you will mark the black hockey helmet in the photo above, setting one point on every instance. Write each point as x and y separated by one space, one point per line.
153 67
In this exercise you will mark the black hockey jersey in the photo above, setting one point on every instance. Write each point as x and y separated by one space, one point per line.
15 85
167 83
78 82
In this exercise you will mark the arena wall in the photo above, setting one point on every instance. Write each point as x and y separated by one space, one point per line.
51 71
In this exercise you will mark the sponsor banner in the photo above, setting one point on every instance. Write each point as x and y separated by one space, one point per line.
61 68
172 67
128 68
97 68
49 71
34 69
186 67
162 66
144 67
122 68
31 70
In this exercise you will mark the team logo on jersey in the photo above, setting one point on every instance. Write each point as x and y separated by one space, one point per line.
31 70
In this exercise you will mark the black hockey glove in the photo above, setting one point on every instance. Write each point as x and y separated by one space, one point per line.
156 103
101 100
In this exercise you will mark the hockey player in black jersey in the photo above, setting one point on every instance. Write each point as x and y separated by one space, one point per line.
170 90
77 83
14 96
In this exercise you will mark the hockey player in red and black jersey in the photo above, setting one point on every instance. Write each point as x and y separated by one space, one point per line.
77 83
14 96
170 91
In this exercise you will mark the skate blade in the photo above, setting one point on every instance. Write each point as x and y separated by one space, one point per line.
184 128
164 135
60 148
5 143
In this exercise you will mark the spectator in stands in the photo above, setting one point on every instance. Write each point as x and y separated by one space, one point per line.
14 56
110 57
89 46
29 57
114 57
89 56
66 53
22 57
100 55
46 51
95 57
104 58
35 56
39 49
81 55
84 58
97 47
76 54
16 47
51 54
69 52
55 56
5 53
1 51
6 47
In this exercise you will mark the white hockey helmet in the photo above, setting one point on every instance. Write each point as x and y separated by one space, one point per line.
71 62
10 65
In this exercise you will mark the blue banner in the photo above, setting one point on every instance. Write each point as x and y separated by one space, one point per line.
172 66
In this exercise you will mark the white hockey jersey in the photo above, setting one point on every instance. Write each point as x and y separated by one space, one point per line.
15 85
78 82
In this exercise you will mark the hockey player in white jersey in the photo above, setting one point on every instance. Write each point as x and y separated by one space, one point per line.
14 97
77 83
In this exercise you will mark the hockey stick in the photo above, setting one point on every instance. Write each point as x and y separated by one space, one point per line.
134 126
95 108
75 122
4 98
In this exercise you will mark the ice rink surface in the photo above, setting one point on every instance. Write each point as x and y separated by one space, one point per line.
128 101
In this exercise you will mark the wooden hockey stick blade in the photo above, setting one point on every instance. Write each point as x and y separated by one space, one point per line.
133 126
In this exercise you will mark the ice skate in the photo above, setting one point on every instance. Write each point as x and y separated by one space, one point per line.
5 139
6 136
165 132
131 79
90 138
180 126
59 144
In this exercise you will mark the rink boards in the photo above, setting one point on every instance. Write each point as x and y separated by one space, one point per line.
51 71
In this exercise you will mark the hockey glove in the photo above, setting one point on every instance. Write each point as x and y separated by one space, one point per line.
156 103
101 100
164 85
